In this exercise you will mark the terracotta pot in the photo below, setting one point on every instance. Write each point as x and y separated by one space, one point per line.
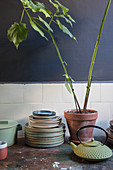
3 150
77 120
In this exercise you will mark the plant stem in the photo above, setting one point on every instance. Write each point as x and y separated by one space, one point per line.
22 16
94 56
63 65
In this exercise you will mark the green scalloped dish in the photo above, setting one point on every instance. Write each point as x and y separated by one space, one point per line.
35 129
44 146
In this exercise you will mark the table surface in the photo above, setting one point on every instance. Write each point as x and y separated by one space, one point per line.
21 156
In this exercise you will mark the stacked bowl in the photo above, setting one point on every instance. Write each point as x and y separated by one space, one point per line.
44 129
110 132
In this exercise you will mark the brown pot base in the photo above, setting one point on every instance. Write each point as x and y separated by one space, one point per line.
78 142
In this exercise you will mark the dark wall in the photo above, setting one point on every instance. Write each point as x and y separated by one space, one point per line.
36 59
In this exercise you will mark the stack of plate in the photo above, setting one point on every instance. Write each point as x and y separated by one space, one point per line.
110 132
44 129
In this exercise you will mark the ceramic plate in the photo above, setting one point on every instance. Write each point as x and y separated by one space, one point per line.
111 124
44 117
111 130
55 119
110 134
44 113
46 139
44 134
50 125
43 142
44 131
110 140
44 146
55 129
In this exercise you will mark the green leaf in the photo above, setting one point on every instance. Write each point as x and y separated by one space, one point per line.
46 24
67 20
24 1
66 76
43 9
65 29
45 12
37 6
30 5
55 5
69 16
40 5
71 79
65 63
67 86
17 33
65 10
34 26
33 7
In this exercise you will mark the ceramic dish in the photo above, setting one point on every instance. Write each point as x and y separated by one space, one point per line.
110 140
111 124
44 131
111 130
50 125
44 146
44 113
110 134
54 119
45 117
34 129
43 142
44 134
51 139
41 132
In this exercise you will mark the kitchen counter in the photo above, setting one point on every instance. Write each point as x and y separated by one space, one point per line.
21 156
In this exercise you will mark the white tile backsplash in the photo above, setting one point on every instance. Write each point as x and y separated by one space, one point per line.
18 101
111 111
52 93
11 93
103 113
58 107
95 93
21 111
107 92
68 97
32 93
35 107
6 112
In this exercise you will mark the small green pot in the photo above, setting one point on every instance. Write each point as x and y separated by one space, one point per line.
8 131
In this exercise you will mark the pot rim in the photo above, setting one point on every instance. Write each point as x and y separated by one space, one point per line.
6 124
89 111
79 116
3 144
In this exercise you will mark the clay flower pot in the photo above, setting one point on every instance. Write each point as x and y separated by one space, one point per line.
3 150
76 120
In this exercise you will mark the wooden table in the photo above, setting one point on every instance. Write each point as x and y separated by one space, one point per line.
21 156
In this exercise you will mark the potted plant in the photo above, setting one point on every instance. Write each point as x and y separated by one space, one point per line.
18 32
